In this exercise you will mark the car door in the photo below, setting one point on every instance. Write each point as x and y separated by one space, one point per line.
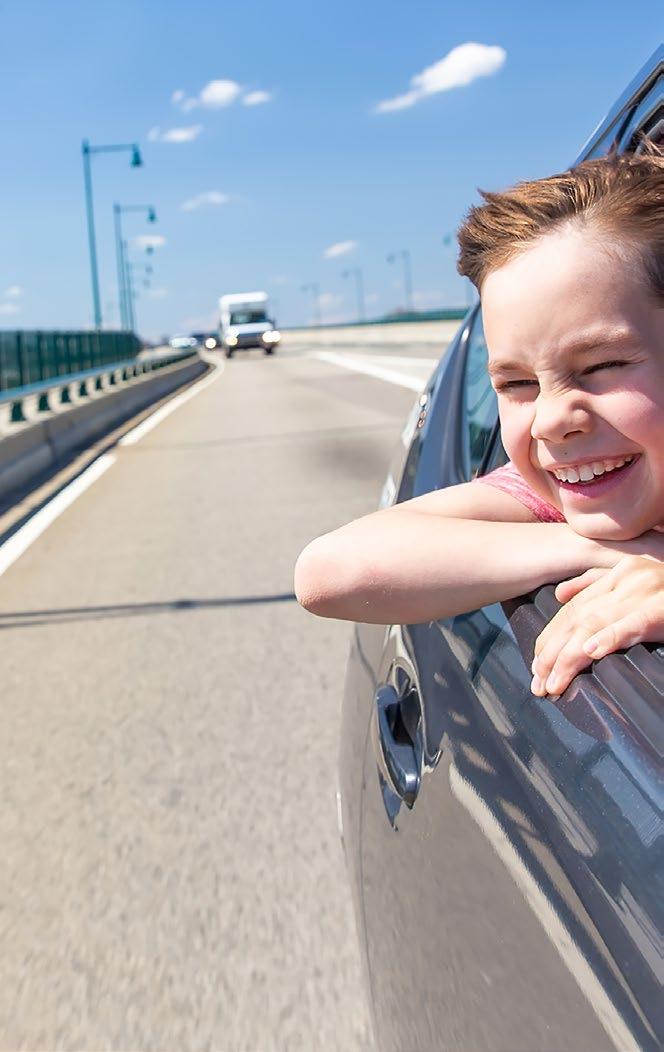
510 848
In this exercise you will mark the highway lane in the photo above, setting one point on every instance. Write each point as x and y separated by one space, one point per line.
172 873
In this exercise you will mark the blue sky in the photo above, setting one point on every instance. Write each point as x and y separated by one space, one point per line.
311 166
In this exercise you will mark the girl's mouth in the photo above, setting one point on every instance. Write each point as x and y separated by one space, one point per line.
597 484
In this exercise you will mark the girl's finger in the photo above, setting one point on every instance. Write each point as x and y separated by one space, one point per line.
566 590
626 632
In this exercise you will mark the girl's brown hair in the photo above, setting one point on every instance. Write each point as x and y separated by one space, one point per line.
620 195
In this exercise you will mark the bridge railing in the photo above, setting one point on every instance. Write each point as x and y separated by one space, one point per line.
29 357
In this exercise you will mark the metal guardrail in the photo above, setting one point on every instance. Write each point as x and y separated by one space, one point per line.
408 317
46 395
28 357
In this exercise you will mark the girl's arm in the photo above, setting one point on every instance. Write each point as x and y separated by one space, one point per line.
443 554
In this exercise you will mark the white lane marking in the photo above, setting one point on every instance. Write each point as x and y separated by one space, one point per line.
137 433
14 547
391 376
397 359
557 931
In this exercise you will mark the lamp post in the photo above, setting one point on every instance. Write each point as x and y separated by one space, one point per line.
314 288
407 276
120 254
87 150
449 240
356 272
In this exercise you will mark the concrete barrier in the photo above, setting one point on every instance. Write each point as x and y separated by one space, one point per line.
411 334
32 449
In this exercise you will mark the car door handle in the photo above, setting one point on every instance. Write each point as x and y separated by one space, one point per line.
396 736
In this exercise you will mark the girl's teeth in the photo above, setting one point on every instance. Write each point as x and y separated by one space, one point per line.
587 472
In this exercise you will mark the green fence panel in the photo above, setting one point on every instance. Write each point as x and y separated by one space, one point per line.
27 357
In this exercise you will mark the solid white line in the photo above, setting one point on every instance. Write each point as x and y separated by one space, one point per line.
137 433
557 931
397 359
13 548
413 383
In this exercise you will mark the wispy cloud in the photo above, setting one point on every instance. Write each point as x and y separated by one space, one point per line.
211 197
339 248
13 292
460 67
149 241
9 308
158 293
187 134
213 96
256 98
217 94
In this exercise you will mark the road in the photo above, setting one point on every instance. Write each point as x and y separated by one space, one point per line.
172 874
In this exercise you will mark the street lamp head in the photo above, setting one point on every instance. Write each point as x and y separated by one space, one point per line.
136 159
152 216
149 249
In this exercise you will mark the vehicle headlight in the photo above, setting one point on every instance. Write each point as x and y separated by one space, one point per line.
231 341
271 336
210 343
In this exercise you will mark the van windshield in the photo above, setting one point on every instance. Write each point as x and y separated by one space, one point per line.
248 316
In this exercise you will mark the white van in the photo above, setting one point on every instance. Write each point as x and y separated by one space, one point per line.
244 321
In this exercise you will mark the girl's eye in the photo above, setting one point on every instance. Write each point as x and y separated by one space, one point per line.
604 365
512 385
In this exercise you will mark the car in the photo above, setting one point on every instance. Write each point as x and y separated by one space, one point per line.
183 343
505 853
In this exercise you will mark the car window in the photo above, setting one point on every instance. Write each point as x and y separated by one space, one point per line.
480 404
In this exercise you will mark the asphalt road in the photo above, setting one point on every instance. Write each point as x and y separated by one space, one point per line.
172 876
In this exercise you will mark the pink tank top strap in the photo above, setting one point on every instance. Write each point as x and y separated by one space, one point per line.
509 480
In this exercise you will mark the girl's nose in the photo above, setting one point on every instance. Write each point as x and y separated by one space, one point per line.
558 417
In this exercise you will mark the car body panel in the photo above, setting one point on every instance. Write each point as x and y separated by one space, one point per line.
517 903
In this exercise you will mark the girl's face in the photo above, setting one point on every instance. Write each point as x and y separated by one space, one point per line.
576 355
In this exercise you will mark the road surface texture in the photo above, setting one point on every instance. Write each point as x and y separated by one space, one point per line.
172 875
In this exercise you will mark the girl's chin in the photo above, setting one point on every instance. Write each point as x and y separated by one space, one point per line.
600 528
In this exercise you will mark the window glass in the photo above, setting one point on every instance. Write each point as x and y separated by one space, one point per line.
480 404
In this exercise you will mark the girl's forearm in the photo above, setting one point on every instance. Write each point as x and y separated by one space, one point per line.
404 567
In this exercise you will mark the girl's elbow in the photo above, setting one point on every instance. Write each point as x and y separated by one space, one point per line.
324 581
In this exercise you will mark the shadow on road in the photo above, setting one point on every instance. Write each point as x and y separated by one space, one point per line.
66 615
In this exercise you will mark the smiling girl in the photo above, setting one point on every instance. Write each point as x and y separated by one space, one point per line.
570 272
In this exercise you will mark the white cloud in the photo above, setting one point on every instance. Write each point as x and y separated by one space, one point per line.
9 308
187 134
460 67
340 248
158 293
13 292
256 98
214 96
149 241
212 197
219 93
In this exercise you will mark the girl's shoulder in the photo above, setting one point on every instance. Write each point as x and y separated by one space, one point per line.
509 480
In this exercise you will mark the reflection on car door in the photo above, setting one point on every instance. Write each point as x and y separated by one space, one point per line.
509 848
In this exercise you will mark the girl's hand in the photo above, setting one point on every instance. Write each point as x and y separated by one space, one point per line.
603 611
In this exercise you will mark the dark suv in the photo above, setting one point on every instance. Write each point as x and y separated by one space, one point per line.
505 852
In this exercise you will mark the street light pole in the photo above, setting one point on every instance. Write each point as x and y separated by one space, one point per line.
407 275
314 288
131 313
120 251
87 150
359 288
